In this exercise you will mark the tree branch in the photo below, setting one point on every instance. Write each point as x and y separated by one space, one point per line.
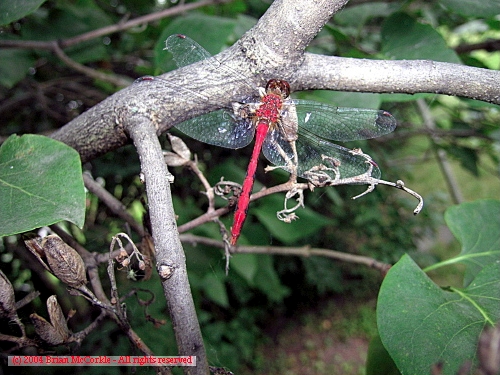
171 262
205 86
397 76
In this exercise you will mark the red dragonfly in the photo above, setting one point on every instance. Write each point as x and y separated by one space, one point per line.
291 133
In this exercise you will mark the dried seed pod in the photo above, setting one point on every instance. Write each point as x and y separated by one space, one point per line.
174 160
35 246
57 317
60 259
7 299
179 147
64 261
45 330
56 332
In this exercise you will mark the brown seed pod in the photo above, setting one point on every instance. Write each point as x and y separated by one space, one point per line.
57 317
56 332
7 299
60 259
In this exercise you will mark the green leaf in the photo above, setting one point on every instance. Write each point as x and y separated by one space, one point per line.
476 226
12 10
40 184
66 20
308 223
267 280
212 33
421 324
215 289
378 361
467 156
245 265
404 38
473 8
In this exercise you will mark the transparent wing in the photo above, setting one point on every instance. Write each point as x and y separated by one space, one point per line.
219 128
341 124
317 157
185 50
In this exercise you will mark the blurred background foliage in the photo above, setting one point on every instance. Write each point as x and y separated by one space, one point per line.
240 311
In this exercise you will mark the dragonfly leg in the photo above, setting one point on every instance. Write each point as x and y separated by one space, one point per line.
291 164
288 214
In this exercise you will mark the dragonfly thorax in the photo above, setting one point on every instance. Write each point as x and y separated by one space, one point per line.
269 109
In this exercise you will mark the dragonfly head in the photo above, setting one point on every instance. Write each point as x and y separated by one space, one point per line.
278 87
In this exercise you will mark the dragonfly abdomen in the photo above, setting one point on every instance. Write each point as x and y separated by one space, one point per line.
242 207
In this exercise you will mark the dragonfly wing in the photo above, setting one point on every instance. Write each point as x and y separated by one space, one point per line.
219 128
342 124
318 160
185 50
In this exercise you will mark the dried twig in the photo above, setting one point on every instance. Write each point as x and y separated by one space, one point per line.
304 251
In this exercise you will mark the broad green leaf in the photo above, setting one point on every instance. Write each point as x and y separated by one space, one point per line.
245 265
12 10
467 156
404 38
378 361
308 222
212 33
14 66
421 324
473 8
64 20
40 184
476 225
267 280
215 289
69 19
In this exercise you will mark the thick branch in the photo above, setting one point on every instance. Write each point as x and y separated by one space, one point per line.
397 76
203 87
171 262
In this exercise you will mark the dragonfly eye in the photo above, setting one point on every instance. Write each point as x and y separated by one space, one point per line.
279 87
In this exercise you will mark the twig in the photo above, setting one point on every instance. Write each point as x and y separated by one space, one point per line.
58 46
92 73
209 216
27 299
20 341
112 203
81 335
304 251
441 157
33 44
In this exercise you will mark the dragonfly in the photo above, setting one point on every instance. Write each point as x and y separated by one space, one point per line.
293 134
